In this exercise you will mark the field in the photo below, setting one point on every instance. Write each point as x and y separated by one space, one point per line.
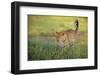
42 42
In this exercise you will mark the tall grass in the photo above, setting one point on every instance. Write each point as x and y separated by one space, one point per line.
46 49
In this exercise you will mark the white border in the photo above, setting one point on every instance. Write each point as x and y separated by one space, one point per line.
26 65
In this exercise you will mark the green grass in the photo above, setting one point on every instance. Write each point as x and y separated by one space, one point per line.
44 48
42 43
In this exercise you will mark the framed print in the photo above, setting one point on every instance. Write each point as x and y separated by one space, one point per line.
52 37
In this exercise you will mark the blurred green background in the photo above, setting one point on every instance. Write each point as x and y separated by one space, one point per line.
50 24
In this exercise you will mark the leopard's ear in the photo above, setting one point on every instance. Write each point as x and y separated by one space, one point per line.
63 33
57 33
